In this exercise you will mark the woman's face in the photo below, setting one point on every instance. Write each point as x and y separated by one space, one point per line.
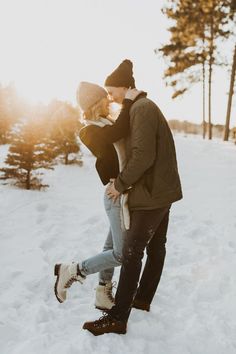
105 106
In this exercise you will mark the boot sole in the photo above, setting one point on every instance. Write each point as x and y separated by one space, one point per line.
57 273
100 334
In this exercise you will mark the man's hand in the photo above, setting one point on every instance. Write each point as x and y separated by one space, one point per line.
111 191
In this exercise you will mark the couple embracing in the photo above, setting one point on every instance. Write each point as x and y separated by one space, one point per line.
136 161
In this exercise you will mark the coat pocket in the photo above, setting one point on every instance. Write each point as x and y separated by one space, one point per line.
139 195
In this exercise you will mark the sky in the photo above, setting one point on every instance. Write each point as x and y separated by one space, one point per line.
49 46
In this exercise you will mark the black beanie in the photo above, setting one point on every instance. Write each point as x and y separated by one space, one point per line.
122 76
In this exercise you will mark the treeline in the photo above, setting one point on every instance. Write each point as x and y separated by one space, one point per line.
198 35
39 136
187 127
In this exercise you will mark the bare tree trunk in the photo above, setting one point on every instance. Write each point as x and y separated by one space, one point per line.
203 100
210 77
209 104
230 96
66 158
209 98
28 180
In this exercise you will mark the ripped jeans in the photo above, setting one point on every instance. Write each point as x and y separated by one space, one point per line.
111 256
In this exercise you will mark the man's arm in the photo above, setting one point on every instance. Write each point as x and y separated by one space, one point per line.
143 148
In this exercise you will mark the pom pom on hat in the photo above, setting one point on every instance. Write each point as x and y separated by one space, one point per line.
88 94
122 76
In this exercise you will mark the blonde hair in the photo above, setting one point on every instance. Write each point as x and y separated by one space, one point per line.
95 111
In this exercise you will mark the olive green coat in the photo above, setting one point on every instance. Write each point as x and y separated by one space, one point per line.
151 174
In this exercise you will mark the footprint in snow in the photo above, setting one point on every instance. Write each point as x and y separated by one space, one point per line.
16 273
92 220
232 245
42 207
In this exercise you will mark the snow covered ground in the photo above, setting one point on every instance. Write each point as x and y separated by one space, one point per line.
194 310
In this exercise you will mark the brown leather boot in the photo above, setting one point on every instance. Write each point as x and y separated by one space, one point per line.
105 324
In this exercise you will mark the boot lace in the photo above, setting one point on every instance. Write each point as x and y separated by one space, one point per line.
70 282
109 291
103 321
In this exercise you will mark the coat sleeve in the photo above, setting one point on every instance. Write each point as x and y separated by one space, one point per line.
121 127
143 147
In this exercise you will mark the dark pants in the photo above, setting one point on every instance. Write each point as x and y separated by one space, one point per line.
148 229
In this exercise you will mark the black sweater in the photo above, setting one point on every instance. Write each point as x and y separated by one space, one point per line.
99 140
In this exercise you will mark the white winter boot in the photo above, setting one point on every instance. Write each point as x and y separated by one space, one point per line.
66 274
104 297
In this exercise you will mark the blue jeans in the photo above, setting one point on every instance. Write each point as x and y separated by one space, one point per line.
111 256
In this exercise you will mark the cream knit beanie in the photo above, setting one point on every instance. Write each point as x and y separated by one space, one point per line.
88 94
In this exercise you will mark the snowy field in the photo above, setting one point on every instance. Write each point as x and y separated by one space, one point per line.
194 311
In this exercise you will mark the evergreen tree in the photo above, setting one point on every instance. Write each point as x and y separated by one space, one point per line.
185 53
197 26
216 14
64 133
28 154
11 109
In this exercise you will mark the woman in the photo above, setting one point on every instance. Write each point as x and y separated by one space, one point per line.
99 135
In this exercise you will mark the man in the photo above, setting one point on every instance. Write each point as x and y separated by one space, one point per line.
152 179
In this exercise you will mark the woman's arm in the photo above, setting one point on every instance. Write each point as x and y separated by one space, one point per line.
120 128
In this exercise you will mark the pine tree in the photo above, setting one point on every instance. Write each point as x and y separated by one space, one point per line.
198 24
64 130
216 14
28 154
11 109
186 52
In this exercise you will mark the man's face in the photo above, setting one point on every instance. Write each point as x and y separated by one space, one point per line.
116 94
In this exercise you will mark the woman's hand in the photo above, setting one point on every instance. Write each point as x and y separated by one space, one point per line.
111 191
131 94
